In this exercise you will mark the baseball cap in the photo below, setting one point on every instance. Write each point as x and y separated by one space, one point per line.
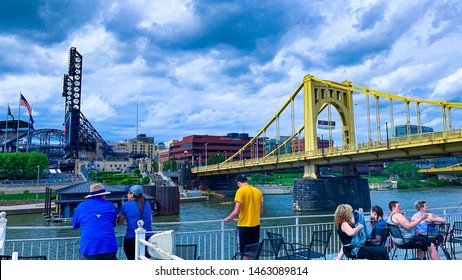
241 178
135 189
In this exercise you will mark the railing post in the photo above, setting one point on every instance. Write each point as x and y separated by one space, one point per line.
297 229
3 222
222 243
140 233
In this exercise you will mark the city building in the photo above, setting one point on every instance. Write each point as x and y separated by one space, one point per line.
196 148
402 130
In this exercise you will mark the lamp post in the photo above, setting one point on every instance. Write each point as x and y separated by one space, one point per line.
206 155
185 155
36 185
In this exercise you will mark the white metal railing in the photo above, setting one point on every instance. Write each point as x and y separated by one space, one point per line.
215 239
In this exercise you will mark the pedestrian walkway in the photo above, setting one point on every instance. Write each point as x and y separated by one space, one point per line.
24 209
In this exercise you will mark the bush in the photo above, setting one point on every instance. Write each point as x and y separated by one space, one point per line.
146 180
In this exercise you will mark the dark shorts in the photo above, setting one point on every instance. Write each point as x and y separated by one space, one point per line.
105 256
420 240
247 235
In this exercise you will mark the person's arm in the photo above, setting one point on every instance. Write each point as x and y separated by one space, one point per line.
406 224
235 213
120 219
346 228
435 218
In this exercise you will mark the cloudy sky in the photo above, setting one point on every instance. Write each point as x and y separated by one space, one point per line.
213 67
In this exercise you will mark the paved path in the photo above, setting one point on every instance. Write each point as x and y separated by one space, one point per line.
24 209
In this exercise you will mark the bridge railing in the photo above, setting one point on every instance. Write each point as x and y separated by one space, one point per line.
216 239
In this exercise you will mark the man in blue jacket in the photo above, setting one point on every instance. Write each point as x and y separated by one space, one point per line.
96 218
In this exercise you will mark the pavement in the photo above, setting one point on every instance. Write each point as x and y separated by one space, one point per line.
24 209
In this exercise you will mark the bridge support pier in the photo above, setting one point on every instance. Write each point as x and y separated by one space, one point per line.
311 172
327 193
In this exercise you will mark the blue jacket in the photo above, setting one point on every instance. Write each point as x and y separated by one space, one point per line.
96 218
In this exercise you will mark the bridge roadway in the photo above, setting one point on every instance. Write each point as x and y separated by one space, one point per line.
440 170
419 146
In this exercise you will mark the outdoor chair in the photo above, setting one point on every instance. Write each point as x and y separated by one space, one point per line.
455 237
270 249
406 245
250 252
186 251
9 257
316 249
277 241
443 231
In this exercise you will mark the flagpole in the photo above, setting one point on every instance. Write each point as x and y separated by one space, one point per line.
28 129
19 117
6 130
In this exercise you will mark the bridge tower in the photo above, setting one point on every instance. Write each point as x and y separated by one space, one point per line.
317 97
72 85
79 134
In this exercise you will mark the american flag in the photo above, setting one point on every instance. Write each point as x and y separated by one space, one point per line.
23 102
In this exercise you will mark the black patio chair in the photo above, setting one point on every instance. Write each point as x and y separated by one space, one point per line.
186 251
443 231
455 237
287 248
409 244
9 257
316 249
270 249
250 252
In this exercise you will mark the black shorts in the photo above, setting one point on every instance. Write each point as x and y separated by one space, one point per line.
420 240
247 235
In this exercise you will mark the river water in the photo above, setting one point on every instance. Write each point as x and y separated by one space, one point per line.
274 206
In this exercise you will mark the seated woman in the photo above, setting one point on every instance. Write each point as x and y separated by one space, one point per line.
348 228
422 228
378 225
397 218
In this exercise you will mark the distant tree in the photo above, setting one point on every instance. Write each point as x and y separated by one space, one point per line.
22 166
155 165
170 165
217 158
405 170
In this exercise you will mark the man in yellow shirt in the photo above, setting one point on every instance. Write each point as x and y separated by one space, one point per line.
248 207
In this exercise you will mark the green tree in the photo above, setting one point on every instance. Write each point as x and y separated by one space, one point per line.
170 165
217 158
405 170
17 166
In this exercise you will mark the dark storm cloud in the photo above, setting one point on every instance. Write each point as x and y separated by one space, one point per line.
46 22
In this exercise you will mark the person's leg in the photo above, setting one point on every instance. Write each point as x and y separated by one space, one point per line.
433 252
129 248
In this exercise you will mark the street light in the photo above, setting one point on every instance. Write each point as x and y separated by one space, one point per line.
36 186
206 155
185 155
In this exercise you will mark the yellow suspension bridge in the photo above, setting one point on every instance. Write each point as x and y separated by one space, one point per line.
317 96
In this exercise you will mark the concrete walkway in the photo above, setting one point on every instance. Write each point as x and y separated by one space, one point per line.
24 209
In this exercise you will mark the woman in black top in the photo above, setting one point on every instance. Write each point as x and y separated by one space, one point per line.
346 230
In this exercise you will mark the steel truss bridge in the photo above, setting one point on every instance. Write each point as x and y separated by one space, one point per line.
313 96
456 168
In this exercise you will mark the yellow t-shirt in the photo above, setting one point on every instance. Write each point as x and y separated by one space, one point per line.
250 198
